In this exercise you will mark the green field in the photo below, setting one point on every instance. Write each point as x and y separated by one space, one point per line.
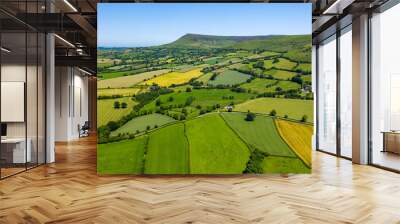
141 123
184 68
124 157
110 75
260 133
204 78
284 63
268 64
306 67
214 147
106 111
306 78
212 60
275 164
284 85
168 151
259 85
229 77
280 74
294 108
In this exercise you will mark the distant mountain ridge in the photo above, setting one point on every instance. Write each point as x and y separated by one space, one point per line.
267 42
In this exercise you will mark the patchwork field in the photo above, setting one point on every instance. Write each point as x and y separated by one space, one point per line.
202 97
106 111
294 108
124 157
209 105
128 81
214 147
260 133
175 78
168 151
298 137
229 77
142 123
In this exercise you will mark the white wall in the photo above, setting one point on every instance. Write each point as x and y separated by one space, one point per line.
71 102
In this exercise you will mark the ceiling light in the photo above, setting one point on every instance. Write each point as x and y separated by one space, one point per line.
5 50
338 6
65 41
70 5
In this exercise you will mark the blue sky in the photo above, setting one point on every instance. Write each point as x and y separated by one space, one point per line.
149 24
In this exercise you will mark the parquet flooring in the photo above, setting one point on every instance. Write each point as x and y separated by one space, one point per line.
69 191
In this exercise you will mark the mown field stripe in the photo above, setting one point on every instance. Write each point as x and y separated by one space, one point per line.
188 146
250 147
146 146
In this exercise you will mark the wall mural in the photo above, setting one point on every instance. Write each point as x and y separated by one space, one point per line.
204 88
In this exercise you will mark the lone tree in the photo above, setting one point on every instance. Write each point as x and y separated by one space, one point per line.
304 118
273 112
124 105
286 116
158 102
148 127
297 79
112 125
249 116
188 89
214 75
117 105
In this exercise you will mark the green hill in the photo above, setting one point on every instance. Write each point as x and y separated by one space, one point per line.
281 43
296 47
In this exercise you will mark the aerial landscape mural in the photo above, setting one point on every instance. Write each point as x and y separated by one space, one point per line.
204 88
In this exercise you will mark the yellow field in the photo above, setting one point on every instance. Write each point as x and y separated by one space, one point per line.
298 136
128 81
174 78
119 91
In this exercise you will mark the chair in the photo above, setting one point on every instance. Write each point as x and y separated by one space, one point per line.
84 130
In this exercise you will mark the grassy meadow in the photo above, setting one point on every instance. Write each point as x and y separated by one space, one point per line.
294 108
106 111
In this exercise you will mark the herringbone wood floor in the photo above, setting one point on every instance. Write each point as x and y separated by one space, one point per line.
69 191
